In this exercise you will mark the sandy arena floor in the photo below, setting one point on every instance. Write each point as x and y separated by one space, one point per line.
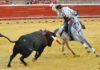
52 58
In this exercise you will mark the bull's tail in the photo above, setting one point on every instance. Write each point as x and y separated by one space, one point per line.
7 38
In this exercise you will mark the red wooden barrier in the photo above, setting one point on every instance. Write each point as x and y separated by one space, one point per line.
87 10
44 11
25 11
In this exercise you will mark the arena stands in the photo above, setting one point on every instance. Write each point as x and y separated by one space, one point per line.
41 1
25 2
79 1
3 2
49 1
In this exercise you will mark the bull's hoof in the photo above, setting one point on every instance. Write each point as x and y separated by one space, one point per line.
76 55
34 59
97 55
88 51
99 68
64 53
25 64
9 65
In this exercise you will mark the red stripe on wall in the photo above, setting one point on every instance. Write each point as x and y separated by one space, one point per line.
42 11
87 10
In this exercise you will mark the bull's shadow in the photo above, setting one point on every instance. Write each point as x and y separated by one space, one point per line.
35 41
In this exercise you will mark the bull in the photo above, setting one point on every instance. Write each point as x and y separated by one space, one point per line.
36 41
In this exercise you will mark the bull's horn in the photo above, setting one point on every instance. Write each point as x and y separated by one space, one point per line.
55 31
56 40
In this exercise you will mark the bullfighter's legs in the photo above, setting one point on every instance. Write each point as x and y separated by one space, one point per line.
11 58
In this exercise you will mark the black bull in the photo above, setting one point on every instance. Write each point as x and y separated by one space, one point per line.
36 41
